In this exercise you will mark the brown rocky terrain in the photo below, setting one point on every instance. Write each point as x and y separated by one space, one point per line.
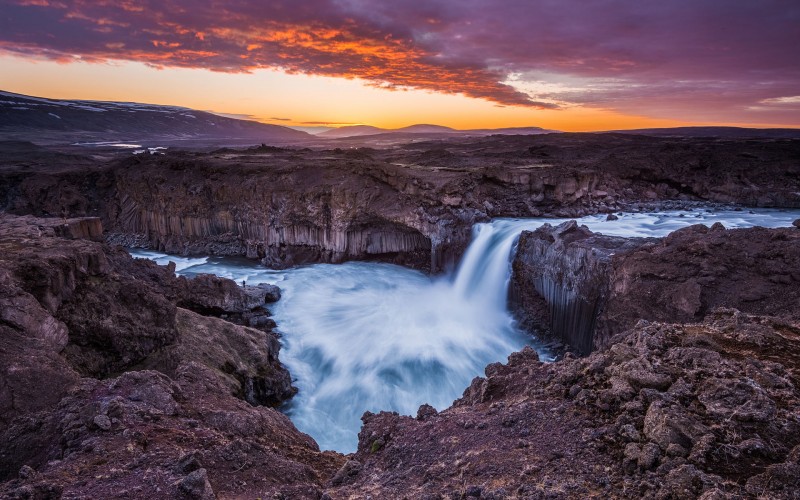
109 378
157 404
704 410
584 288
118 379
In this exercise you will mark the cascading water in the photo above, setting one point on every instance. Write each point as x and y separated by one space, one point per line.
379 337
365 336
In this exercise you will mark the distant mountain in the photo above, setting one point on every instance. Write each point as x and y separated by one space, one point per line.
56 121
721 132
425 129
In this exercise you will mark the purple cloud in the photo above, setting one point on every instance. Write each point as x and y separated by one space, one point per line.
689 59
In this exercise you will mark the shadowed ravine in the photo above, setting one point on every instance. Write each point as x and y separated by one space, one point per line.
367 336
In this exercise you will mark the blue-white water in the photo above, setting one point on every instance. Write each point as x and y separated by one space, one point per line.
367 336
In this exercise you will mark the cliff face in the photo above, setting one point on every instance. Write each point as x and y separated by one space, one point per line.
413 204
584 288
109 360
560 280
74 307
283 215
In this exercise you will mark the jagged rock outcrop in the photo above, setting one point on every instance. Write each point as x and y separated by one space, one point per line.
560 280
84 228
101 370
584 288
244 359
75 307
669 411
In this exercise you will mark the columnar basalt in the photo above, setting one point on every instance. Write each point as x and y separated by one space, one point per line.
560 280
583 288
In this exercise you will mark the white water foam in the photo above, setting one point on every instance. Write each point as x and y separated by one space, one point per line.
366 336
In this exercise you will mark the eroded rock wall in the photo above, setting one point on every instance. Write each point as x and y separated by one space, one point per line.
560 280
584 288
310 215
412 204
75 307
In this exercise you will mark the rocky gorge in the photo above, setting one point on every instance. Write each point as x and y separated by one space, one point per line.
413 205
122 380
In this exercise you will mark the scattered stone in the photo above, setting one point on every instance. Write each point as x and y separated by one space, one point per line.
196 486
102 422
648 457
676 450
347 473
26 472
188 463
630 433
743 399
425 412
473 491
272 293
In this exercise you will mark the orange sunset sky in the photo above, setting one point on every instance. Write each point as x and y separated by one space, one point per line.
476 64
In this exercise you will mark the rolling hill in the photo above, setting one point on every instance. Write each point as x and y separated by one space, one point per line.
53 121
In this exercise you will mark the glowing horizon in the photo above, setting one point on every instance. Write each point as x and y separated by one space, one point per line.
555 65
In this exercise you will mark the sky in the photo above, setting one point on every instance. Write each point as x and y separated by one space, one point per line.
558 64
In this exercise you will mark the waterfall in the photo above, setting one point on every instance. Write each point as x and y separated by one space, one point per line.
484 271
365 336
374 337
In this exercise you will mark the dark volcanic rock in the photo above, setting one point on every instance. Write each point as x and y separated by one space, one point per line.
560 274
591 287
244 359
72 308
75 305
414 204
244 451
668 411
212 294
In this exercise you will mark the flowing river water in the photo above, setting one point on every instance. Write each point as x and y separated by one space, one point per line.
368 336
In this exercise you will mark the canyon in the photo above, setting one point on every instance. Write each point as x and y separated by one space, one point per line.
160 386
412 205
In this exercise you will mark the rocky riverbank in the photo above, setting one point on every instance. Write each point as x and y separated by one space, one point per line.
167 400
703 410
